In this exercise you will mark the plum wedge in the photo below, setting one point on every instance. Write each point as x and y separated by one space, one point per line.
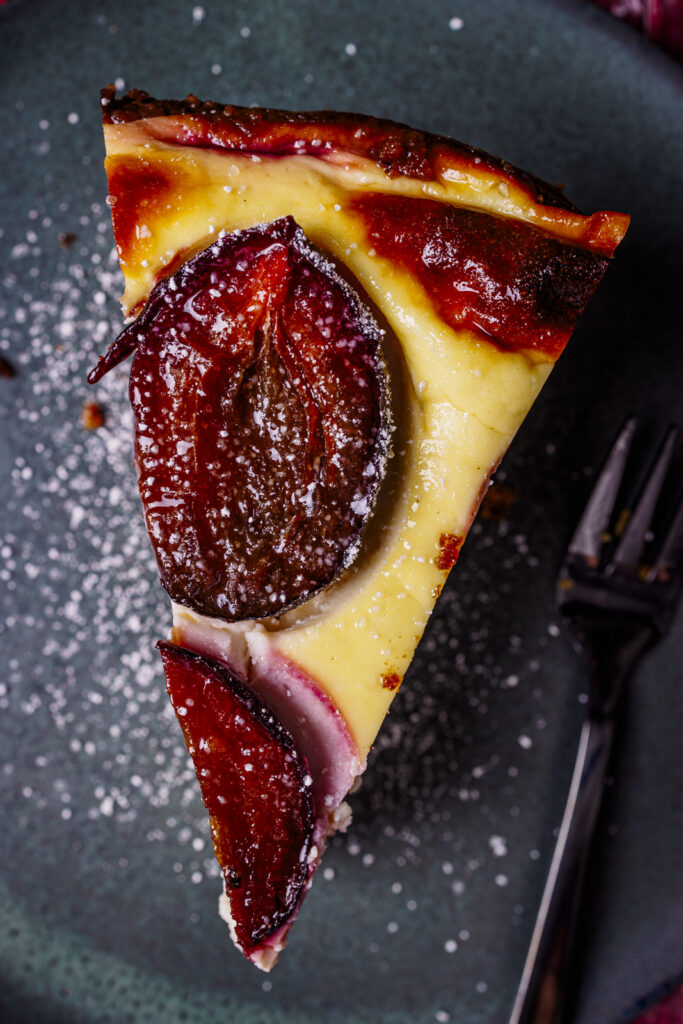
261 428
256 788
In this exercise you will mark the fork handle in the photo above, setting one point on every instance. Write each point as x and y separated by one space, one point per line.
612 650
541 997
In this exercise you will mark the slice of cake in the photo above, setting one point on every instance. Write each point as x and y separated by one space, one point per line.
340 323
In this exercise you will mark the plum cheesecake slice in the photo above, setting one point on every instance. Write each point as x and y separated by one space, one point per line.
338 324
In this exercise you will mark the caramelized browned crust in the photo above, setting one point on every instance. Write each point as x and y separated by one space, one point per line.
517 287
496 252
401 151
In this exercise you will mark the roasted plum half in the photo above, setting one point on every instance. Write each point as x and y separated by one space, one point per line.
261 422
256 788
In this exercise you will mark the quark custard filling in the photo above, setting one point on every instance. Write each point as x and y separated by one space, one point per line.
340 324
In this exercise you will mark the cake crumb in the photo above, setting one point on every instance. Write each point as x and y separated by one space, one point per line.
92 416
6 368
497 502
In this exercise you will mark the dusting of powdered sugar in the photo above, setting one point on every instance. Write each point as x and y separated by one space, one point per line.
82 609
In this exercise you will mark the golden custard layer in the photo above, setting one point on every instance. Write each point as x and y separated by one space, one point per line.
477 273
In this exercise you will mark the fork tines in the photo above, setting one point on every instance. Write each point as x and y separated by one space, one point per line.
591 534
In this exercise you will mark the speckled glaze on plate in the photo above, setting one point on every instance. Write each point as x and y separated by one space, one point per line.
423 913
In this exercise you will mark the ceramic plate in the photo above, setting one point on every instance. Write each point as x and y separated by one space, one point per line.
423 912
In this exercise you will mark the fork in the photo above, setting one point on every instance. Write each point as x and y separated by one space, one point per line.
616 594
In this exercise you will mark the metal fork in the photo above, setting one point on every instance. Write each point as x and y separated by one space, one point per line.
615 603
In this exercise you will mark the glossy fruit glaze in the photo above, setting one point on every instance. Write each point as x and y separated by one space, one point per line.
262 427
255 786
514 284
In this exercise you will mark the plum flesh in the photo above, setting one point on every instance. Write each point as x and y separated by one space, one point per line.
513 284
256 788
262 425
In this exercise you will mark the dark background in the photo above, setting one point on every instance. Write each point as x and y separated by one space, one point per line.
107 886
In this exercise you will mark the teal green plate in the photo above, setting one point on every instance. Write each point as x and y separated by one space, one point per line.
423 912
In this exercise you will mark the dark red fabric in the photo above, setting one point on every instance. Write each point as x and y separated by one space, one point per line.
629 10
670 1011
662 20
